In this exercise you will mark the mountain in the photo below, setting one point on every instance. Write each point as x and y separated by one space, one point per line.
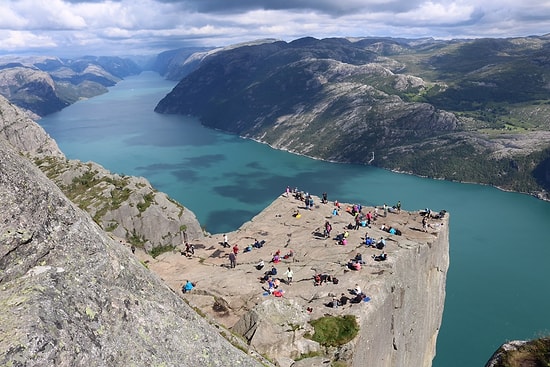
464 110
44 84
176 64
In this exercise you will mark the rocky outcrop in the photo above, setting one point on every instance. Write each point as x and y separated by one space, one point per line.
31 89
72 296
522 353
127 207
398 326
24 134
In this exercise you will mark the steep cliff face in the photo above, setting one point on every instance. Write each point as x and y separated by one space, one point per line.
402 326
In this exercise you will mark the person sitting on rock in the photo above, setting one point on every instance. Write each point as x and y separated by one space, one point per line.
356 290
343 299
317 279
188 287
382 257
369 241
358 298
260 265
325 278
381 243
359 258
354 265
289 254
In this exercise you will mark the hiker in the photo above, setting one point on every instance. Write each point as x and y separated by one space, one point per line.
382 257
317 279
225 242
328 228
236 249
289 274
326 278
354 265
425 224
343 299
369 218
189 249
260 265
357 222
232 260
188 287
369 241
398 206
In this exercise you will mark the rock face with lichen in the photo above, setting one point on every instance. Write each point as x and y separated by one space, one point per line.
127 207
72 296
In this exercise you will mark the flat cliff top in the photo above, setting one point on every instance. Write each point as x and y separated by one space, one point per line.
312 253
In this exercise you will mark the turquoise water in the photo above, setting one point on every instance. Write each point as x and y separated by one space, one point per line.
497 288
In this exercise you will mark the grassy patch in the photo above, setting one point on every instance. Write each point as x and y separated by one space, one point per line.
156 251
148 199
335 331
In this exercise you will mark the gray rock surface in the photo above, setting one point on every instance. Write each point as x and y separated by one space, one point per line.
72 296
25 134
127 207
398 326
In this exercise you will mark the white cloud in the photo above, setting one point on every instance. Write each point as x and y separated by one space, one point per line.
154 25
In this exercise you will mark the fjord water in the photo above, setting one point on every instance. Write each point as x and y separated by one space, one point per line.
498 282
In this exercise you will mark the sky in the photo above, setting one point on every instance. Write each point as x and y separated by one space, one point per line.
145 27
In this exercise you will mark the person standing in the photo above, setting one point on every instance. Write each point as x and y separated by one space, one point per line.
225 241
399 206
232 260
425 224
289 274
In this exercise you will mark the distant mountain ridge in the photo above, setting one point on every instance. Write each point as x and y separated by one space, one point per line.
45 84
465 110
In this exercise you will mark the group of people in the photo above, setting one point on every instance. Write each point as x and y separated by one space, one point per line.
272 280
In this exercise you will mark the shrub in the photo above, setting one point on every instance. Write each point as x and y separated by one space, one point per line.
335 330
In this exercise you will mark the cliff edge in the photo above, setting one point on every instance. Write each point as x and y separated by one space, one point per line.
399 324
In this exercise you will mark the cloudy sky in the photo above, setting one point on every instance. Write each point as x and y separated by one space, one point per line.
130 27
